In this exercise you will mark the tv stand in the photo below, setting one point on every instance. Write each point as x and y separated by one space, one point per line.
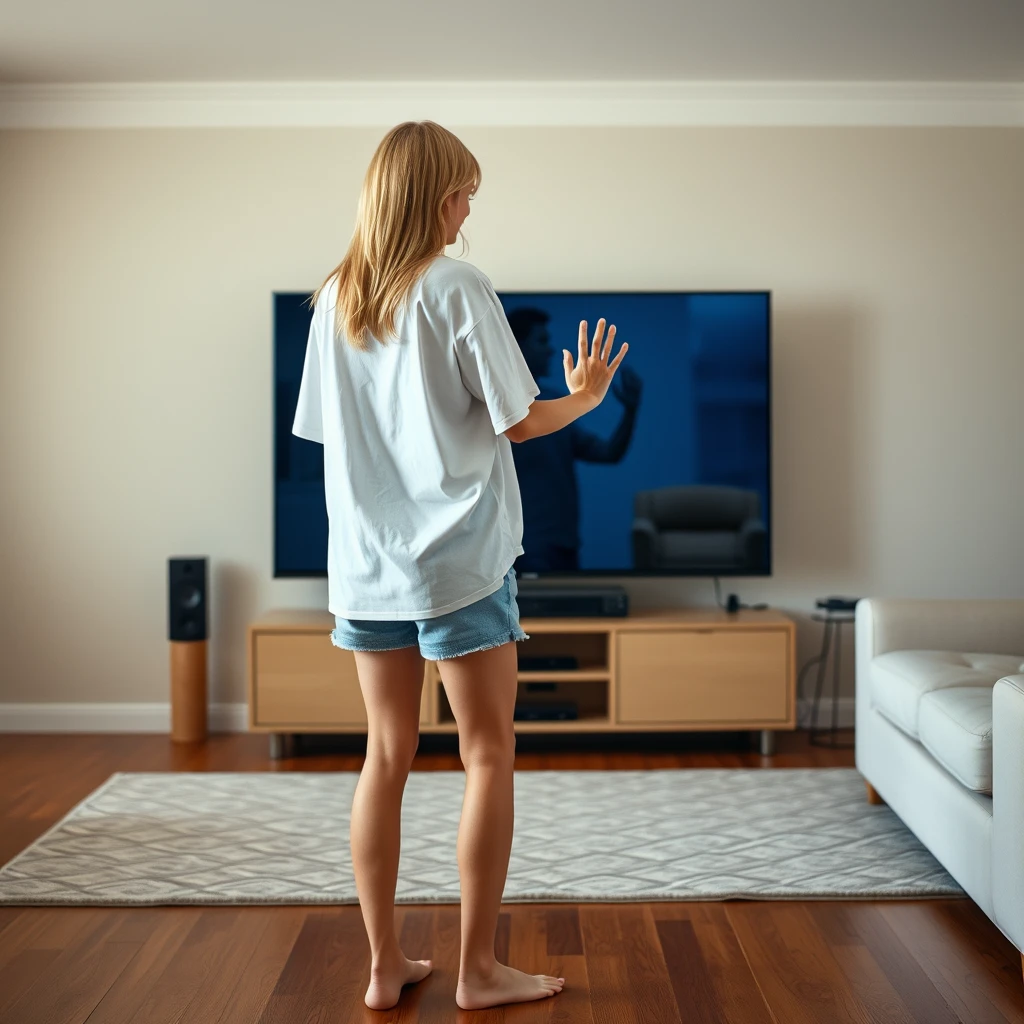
650 671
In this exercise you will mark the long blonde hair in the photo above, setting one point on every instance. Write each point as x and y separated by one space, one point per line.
400 226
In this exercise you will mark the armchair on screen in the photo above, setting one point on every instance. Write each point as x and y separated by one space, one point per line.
699 527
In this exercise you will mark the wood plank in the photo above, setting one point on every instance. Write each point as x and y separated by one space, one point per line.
501 937
415 928
562 925
328 971
20 973
951 963
792 964
690 975
735 991
47 928
558 951
252 991
7 916
575 1002
182 964
527 951
649 984
157 934
434 997
881 973
77 978
607 973
1002 960
243 929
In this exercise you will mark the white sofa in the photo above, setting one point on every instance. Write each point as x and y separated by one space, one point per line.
940 736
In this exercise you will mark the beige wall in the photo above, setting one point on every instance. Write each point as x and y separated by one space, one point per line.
135 337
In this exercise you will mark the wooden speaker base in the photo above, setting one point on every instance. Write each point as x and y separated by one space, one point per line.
188 691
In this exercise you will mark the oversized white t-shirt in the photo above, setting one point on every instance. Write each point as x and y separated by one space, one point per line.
423 502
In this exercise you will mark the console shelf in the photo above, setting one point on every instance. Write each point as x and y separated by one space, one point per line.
657 671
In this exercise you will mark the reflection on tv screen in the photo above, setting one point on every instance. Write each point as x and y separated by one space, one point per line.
671 472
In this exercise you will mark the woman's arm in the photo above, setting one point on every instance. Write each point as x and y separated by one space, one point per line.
548 416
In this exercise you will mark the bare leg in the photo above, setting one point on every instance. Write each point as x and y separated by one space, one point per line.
481 689
391 683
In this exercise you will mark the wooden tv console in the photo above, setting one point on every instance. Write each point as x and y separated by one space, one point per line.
677 670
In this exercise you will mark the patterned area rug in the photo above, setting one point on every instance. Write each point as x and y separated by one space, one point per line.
580 836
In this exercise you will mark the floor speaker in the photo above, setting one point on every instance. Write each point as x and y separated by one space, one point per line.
187 626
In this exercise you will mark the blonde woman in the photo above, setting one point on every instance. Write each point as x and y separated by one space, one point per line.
415 386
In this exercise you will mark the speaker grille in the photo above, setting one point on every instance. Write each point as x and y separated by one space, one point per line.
187 599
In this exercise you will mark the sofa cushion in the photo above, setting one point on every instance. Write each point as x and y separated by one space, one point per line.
899 679
956 729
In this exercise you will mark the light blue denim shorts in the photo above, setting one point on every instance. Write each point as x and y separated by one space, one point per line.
489 622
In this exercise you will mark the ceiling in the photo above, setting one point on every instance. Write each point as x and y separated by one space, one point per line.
62 41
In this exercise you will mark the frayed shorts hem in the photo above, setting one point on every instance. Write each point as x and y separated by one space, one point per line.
454 651
350 646
433 653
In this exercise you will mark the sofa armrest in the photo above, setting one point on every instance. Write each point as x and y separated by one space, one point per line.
989 625
1008 806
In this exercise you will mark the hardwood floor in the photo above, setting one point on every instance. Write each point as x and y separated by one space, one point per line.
737 961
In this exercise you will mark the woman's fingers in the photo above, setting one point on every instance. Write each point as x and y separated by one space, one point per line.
618 359
595 350
606 348
583 340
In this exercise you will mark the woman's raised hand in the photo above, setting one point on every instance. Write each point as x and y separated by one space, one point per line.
592 372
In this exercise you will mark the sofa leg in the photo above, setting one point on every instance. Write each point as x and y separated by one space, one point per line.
873 795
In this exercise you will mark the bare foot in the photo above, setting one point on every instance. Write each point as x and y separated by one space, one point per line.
386 981
505 985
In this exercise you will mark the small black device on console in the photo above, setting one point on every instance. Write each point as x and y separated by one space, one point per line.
546 712
548 663
571 602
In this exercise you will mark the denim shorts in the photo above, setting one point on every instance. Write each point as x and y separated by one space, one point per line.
489 622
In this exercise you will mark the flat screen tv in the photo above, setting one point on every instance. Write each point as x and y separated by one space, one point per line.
669 476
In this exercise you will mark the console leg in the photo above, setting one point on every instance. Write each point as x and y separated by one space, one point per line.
767 742
873 794
276 746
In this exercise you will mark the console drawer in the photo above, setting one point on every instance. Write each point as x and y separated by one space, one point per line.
303 679
735 677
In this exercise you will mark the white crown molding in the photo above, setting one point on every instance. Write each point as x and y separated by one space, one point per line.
341 104
156 717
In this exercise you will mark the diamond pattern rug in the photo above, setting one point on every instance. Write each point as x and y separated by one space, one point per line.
580 836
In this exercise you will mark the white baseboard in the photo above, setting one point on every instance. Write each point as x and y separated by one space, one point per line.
154 717
110 717
846 713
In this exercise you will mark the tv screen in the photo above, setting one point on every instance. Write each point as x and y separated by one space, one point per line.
669 476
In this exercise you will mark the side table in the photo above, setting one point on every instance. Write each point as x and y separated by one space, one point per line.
834 620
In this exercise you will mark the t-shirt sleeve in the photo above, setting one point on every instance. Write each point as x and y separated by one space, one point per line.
493 368
308 422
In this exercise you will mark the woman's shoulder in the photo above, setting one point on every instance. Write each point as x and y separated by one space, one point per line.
458 292
447 273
